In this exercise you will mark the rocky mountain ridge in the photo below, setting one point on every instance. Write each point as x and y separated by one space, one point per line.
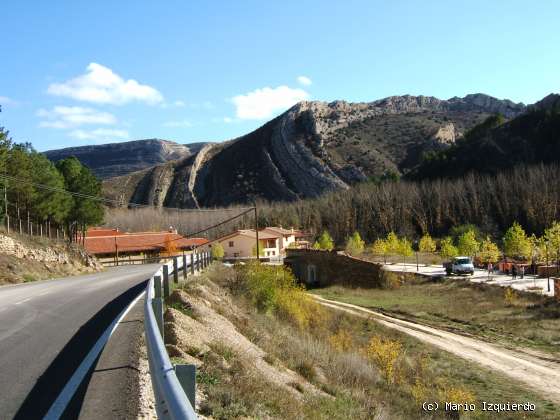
312 148
115 159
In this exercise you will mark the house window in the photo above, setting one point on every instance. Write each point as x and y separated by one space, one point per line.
230 244
273 252
235 254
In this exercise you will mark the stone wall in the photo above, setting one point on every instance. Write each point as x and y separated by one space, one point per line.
47 254
318 268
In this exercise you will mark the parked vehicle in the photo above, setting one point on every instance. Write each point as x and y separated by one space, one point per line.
459 265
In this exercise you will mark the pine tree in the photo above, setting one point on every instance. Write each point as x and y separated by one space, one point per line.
84 211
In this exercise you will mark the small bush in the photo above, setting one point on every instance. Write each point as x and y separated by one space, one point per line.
389 280
306 369
384 353
275 290
342 341
28 278
510 296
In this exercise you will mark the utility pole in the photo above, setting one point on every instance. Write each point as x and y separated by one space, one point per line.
116 252
257 231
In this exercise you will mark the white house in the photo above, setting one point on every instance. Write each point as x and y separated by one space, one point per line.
242 243
273 242
288 237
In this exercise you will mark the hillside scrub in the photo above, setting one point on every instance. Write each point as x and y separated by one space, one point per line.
365 369
25 258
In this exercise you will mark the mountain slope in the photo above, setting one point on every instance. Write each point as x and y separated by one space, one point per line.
531 138
312 148
115 159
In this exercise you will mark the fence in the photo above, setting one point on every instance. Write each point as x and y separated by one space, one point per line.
174 385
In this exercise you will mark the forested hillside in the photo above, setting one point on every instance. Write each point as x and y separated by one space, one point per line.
533 137
36 191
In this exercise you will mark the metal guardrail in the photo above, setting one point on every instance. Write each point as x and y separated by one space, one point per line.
171 400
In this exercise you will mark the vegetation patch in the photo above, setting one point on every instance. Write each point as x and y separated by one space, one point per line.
358 363
507 316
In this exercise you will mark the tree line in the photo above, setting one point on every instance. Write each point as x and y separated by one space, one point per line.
465 240
38 195
529 195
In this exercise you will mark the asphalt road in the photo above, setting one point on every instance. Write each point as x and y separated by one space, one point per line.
47 328
529 283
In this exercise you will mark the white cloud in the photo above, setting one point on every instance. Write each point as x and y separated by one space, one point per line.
263 103
181 123
304 80
228 120
4 100
73 116
179 104
101 85
99 134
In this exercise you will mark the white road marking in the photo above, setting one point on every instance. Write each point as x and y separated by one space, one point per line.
23 301
58 407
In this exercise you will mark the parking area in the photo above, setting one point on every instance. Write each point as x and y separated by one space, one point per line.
529 283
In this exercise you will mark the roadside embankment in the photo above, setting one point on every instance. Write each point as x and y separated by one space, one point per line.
24 259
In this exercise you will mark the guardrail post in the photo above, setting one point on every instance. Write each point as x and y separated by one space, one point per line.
175 271
184 267
186 374
205 259
165 281
196 261
157 304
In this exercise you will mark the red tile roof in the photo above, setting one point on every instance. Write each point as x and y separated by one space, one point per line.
139 242
91 232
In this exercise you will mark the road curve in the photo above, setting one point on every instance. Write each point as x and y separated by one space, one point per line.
47 328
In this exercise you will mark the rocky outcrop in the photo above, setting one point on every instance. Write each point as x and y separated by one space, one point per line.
48 254
316 147
445 135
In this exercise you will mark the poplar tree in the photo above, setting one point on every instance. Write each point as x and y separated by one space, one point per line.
516 242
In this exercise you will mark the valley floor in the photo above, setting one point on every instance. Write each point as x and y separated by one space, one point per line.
254 364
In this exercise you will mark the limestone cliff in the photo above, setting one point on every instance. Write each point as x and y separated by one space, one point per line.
312 148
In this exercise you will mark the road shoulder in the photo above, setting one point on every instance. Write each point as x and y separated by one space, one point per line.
120 386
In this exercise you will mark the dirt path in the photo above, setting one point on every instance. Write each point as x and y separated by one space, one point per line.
543 376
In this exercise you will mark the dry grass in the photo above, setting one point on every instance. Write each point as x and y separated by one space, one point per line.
333 356
15 270
509 317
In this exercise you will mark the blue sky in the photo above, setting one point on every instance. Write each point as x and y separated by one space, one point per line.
77 72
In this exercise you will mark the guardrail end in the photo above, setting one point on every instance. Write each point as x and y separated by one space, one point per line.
186 374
